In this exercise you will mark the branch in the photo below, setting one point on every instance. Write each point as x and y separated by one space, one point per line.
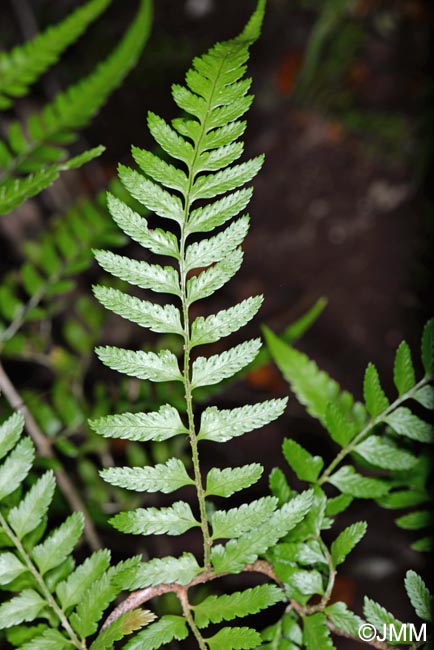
45 450
142 596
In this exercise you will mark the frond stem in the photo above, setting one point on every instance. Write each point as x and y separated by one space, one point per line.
182 594
138 598
207 539
45 592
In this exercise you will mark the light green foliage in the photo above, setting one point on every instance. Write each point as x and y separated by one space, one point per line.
419 595
379 616
159 633
316 633
348 481
375 399
346 541
121 627
245 550
165 477
306 466
343 618
403 370
377 434
38 569
175 520
225 482
234 638
162 571
207 145
38 289
141 426
15 191
237 521
221 426
215 609
383 453
353 425
31 157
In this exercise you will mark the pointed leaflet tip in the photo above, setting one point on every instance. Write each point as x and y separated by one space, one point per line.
252 30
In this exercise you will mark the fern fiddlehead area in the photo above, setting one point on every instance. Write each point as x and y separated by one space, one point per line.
236 572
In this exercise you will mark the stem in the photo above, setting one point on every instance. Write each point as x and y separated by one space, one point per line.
201 497
19 319
332 575
44 448
42 586
365 432
207 541
186 610
141 596
138 598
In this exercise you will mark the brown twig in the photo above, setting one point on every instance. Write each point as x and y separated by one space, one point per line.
45 450
142 596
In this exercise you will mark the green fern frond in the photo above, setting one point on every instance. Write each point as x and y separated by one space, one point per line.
215 609
15 191
216 99
353 425
38 569
42 137
24 64
198 194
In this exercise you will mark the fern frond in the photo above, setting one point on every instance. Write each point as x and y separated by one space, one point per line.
174 520
239 552
162 571
38 570
221 426
312 386
165 477
44 134
160 425
166 629
15 191
24 64
237 521
234 638
225 482
198 194
215 609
